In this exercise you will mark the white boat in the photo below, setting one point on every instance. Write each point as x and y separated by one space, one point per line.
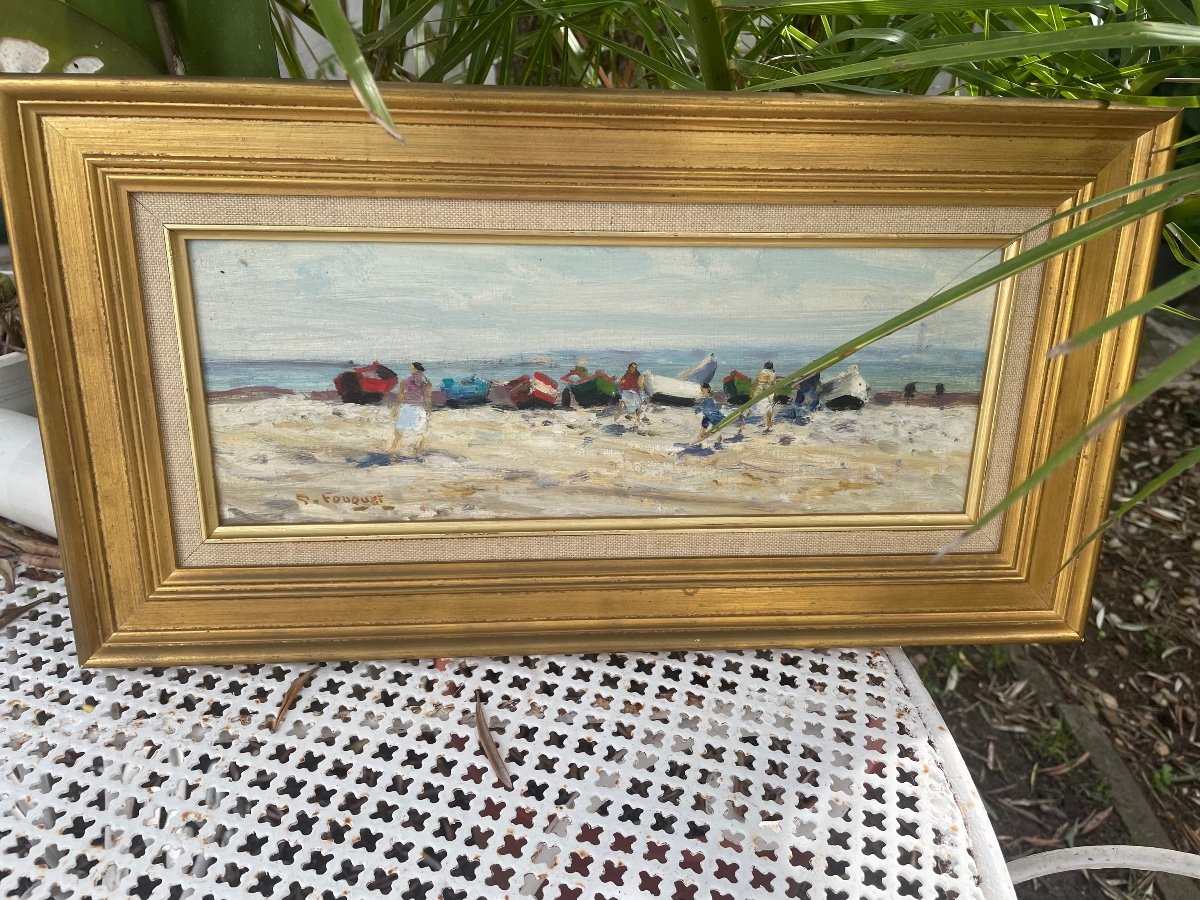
684 388
701 372
847 391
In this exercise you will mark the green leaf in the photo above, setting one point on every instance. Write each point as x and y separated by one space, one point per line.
285 43
397 29
1180 313
1182 247
878 38
1080 234
1170 10
1155 484
667 73
225 37
1186 142
372 10
301 10
1099 37
67 34
132 21
463 42
479 60
1186 213
991 83
873 7
868 7
1190 175
1171 367
340 35
765 41
539 51
1177 101
648 22
758 70
704 16
1164 293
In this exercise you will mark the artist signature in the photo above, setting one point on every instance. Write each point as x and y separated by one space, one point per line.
335 499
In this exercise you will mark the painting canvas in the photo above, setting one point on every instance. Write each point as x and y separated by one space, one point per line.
350 379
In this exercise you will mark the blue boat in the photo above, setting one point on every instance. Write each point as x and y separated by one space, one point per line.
465 391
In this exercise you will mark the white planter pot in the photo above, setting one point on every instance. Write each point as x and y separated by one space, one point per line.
24 488
16 385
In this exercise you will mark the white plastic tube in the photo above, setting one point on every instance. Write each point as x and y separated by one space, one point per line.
1110 856
24 488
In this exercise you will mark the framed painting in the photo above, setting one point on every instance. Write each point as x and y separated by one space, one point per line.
308 393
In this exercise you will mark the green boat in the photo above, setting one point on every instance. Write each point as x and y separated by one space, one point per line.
737 387
584 388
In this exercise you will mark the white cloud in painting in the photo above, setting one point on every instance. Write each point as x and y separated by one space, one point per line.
287 299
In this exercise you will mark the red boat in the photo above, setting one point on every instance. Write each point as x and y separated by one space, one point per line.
737 387
584 388
366 384
525 392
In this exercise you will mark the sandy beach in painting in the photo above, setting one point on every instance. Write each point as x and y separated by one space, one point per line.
295 458
521 349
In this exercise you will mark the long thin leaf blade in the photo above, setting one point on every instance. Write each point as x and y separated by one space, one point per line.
1169 101
398 28
285 43
1190 174
868 7
704 16
12 613
669 74
1152 486
1080 234
1174 311
1171 367
1164 293
1186 241
1099 37
463 42
336 28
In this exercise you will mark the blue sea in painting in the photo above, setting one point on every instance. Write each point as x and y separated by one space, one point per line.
886 369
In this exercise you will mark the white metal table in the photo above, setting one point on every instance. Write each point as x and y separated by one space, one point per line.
820 775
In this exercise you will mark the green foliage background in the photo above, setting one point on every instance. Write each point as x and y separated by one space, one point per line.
1145 52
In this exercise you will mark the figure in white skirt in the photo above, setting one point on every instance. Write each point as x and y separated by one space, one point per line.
633 395
765 407
412 415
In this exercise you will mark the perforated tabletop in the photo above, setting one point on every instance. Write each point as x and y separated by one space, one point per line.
822 775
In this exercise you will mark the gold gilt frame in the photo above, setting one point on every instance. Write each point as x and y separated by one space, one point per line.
78 152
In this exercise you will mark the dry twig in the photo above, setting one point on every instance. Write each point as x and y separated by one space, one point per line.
39 545
290 697
488 743
39 562
15 612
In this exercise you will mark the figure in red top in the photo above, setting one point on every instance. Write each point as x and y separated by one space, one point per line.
632 402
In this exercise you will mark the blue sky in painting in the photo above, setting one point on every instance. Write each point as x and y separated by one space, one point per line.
327 300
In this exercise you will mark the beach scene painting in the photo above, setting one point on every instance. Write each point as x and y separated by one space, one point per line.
352 380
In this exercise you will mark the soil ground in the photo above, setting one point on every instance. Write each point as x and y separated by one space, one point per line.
1137 672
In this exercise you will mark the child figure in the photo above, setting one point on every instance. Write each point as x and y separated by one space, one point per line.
709 410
